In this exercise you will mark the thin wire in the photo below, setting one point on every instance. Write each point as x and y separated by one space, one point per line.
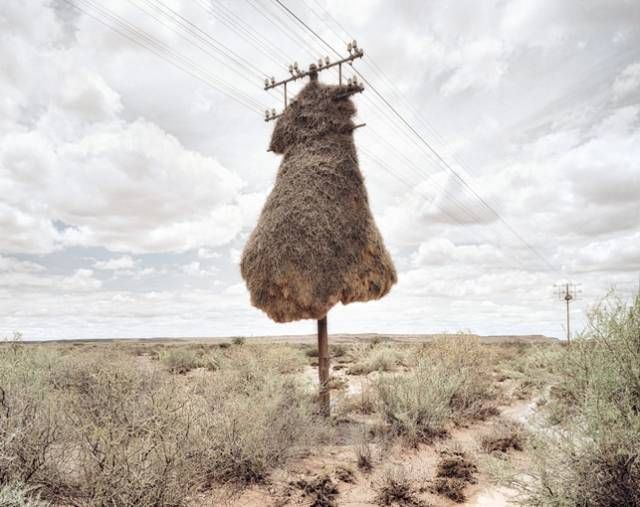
191 29
138 37
393 121
426 143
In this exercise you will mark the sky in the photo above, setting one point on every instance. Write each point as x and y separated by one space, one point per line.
134 163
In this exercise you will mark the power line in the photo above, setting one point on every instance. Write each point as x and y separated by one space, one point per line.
392 120
148 42
426 143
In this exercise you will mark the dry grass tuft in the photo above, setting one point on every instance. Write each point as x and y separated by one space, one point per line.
453 472
321 491
181 360
504 437
449 487
378 358
396 488
345 474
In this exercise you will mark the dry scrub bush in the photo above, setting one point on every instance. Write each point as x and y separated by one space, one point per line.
255 417
449 382
19 495
503 437
99 429
468 362
130 431
416 405
534 368
181 360
376 358
320 491
395 487
29 422
592 456
453 472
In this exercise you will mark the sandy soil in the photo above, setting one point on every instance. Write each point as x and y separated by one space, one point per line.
419 464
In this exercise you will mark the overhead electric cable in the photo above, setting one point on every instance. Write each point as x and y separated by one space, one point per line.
425 142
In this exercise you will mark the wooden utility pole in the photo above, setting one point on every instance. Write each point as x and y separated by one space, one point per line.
353 86
323 367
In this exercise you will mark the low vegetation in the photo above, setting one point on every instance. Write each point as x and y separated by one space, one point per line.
375 357
504 437
96 429
18 495
320 491
448 383
396 488
159 424
589 453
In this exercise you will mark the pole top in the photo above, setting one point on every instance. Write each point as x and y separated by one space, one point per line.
313 72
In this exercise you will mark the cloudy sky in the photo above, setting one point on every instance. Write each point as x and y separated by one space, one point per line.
133 159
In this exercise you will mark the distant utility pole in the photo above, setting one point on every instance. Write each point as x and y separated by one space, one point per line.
568 292
353 86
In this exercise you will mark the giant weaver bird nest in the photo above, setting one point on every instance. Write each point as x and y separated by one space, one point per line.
316 242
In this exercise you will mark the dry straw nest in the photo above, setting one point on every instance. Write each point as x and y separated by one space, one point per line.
316 242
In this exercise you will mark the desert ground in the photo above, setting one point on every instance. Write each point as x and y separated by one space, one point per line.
433 420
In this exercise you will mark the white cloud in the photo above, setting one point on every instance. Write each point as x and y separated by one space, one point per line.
118 263
108 152
195 268
628 81
206 253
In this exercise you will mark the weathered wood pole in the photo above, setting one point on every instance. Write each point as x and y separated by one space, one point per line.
323 367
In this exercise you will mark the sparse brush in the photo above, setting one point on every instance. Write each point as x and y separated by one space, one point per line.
383 359
505 436
592 456
338 350
181 360
30 425
252 419
238 340
345 474
93 427
456 464
321 491
362 449
396 488
363 402
453 472
133 429
19 495
452 488
417 405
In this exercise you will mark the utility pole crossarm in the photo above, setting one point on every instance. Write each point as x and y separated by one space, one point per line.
323 64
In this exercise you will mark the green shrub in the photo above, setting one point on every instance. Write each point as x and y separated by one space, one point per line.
449 382
417 405
592 456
